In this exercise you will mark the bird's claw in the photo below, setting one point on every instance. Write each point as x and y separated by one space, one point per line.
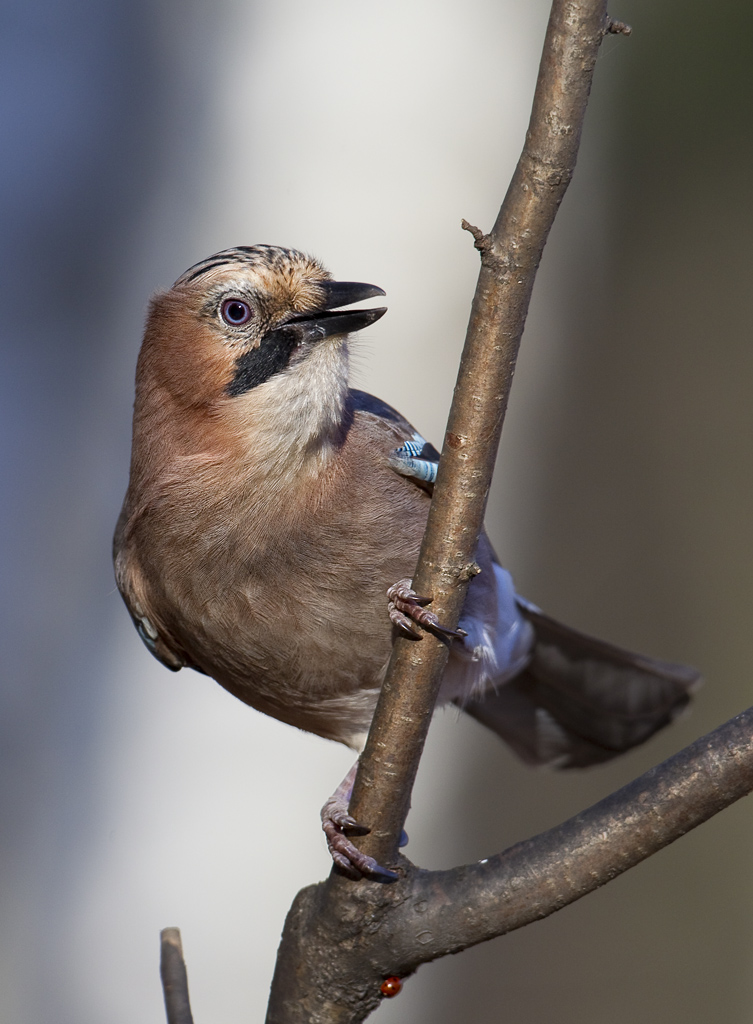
337 826
406 607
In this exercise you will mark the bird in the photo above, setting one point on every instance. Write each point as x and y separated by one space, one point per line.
271 529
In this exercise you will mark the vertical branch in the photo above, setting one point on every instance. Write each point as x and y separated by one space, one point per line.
172 970
339 941
510 257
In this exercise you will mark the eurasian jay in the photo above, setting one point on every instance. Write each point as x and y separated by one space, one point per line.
273 521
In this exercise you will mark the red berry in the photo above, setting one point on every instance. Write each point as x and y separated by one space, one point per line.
390 987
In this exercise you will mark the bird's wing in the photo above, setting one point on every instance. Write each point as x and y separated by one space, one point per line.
416 457
499 638
556 695
128 578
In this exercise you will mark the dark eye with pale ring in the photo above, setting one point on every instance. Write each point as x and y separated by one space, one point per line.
235 312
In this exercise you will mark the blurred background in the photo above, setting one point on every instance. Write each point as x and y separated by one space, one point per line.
140 137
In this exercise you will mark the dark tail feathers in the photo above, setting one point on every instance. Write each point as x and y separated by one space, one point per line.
581 701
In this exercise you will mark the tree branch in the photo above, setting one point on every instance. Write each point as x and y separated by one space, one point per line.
510 257
337 948
174 978
467 905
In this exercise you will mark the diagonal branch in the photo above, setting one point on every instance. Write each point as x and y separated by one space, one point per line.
533 879
510 257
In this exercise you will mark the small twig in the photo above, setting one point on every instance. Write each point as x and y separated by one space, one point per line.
619 28
174 978
478 234
484 244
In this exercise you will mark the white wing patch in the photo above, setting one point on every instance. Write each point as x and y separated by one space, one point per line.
147 632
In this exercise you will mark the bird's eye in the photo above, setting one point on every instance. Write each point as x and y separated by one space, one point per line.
235 312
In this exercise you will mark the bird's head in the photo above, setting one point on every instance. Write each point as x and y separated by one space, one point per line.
255 334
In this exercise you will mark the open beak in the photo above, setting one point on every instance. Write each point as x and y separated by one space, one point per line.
330 319
256 365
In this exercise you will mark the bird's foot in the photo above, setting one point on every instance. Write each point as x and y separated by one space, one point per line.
406 607
338 825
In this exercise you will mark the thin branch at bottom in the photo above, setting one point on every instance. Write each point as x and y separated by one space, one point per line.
174 978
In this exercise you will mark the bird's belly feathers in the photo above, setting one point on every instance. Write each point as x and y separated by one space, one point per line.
287 608
287 612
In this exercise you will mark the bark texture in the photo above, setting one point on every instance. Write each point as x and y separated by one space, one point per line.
340 942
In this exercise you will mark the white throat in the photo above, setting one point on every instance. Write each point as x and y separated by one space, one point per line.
294 419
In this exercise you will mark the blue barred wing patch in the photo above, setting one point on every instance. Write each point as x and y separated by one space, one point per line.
416 458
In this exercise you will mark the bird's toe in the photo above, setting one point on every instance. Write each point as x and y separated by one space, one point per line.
405 607
338 826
